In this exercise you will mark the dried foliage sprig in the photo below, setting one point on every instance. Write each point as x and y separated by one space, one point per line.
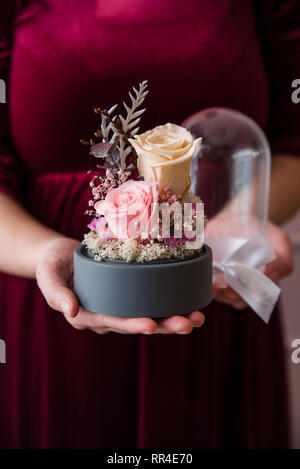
133 116
108 153
116 130
113 149
106 128
127 127
124 146
106 133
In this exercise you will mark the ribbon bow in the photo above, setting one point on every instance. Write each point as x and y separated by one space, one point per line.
241 273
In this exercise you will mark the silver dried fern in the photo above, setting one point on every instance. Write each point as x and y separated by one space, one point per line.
106 128
129 123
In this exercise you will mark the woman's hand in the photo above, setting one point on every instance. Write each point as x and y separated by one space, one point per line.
54 275
279 268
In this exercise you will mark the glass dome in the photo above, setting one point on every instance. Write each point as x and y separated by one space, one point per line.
231 173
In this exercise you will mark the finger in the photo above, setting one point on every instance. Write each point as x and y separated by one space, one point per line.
240 305
225 295
283 265
102 331
123 325
279 269
175 325
273 272
55 289
197 318
229 297
230 292
237 303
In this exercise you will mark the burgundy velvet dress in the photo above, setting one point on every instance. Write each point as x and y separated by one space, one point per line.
221 386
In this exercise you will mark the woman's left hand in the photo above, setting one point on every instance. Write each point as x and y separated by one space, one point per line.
282 266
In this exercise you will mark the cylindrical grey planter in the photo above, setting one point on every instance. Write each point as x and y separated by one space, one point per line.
133 289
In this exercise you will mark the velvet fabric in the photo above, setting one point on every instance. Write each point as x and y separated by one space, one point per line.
221 386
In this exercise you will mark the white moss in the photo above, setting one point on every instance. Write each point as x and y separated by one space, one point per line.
129 250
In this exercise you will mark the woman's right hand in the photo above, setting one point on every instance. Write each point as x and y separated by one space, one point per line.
54 276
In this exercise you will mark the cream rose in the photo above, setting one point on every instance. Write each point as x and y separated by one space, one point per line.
164 156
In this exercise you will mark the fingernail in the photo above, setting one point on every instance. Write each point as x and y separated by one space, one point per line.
66 307
198 324
147 332
182 332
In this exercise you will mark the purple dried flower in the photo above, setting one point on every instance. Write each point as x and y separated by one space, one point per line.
101 227
175 242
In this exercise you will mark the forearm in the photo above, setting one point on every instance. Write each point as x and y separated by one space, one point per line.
285 188
22 238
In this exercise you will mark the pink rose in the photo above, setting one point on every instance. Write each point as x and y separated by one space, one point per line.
128 209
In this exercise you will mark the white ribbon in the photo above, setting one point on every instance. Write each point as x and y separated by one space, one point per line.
241 272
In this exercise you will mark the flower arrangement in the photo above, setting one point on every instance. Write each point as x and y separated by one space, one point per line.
144 254
141 206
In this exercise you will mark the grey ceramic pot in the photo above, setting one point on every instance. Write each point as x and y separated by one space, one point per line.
132 289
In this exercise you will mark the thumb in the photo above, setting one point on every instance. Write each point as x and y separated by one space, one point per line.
55 289
283 264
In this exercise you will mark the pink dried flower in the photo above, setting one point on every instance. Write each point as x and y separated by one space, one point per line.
100 226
